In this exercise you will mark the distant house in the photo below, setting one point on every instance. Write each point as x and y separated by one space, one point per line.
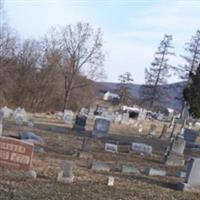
108 96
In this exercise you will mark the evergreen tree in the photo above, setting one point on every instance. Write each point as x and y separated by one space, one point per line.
123 88
156 76
192 93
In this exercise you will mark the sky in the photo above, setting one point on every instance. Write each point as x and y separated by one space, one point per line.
132 30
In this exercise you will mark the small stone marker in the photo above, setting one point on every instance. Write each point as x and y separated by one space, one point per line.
66 175
100 166
112 148
141 148
155 172
111 180
152 130
15 153
101 127
80 122
127 168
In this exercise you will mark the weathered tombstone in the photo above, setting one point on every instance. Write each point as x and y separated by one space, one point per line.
190 135
1 122
152 130
155 172
127 168
112 148
174 156
100 166
80 122
66 175
15 153
68 117
110 181
141 148
192 180
101 127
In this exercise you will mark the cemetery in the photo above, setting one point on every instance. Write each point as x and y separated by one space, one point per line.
72 156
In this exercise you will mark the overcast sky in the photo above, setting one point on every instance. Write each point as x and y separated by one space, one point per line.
132 30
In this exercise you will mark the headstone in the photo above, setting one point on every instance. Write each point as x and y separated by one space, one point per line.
174 155
80 122
101 127
190 135
129 169
1 122
118 118
68 117
100 166
110 181
155 172
15 153
125 118
192 180
152 130
141 148
66 175
20 116
30 123
31 174
112 148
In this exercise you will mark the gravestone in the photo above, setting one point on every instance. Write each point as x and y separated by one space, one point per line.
100 166
68 117
192 180
87 145
80 122
152 130
141 148
101 127
66 175
110 181
155 172
1 122
20 116
118 118
127 168
112 148
174 156
190 135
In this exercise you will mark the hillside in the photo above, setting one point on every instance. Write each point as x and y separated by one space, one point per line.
174 92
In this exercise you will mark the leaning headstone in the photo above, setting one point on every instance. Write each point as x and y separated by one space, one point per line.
1 122
174 156
66 175
127 168
141 148
112 148
152 130
100 166
80 122
110 181
192 180
101 127
155 172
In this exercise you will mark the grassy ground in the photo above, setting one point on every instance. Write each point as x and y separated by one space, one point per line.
88 184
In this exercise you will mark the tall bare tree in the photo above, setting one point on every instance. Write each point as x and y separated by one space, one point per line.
156 76
77 52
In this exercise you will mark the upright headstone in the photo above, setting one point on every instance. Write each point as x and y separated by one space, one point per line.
66 175
174 156
101 127
192 180
20 116
152 130
87 145
190 135
80 122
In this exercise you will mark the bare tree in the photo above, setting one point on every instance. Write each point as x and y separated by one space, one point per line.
77 52
157 74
